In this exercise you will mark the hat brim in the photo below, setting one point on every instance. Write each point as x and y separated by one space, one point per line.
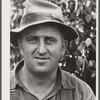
69 32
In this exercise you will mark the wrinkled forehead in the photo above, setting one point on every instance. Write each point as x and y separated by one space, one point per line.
47 29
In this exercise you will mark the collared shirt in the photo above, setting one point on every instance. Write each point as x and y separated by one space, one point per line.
67 87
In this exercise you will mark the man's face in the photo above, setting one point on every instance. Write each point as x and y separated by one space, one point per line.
42 47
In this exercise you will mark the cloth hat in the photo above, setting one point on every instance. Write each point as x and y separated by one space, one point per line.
39 12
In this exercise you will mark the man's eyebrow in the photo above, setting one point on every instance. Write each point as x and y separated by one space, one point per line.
32 36
50 37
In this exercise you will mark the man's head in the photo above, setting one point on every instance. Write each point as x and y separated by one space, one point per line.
42 46
41 36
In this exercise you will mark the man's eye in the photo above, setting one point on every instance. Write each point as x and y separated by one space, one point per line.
32 40
50 41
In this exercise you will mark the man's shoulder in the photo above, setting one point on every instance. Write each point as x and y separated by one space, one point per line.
76 82
14 74
72 78
14 92
81 89
12 80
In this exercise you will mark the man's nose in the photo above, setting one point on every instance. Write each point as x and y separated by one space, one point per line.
42 48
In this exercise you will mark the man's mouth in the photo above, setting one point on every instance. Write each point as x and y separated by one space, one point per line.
41 58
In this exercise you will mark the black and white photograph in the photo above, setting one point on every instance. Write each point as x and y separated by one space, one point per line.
52 50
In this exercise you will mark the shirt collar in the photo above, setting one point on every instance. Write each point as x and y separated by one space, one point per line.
66 80
15 80
63 78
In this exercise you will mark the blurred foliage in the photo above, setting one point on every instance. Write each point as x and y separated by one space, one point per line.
80 58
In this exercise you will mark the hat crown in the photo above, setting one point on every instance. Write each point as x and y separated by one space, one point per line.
40 12
43 7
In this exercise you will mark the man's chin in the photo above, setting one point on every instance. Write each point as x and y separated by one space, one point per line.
42 70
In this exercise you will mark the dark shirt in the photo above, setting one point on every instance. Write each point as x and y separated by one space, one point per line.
67 87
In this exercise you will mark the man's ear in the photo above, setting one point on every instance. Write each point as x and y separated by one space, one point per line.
65 43
19 42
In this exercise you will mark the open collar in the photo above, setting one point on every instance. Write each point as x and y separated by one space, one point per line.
63 78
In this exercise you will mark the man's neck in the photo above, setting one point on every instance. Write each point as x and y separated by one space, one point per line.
39 85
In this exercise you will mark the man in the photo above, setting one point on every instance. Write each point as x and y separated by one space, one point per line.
42 38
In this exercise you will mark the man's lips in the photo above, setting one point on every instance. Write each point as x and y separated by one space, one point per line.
41 58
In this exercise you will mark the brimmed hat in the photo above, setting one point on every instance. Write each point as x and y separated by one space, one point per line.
38 12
